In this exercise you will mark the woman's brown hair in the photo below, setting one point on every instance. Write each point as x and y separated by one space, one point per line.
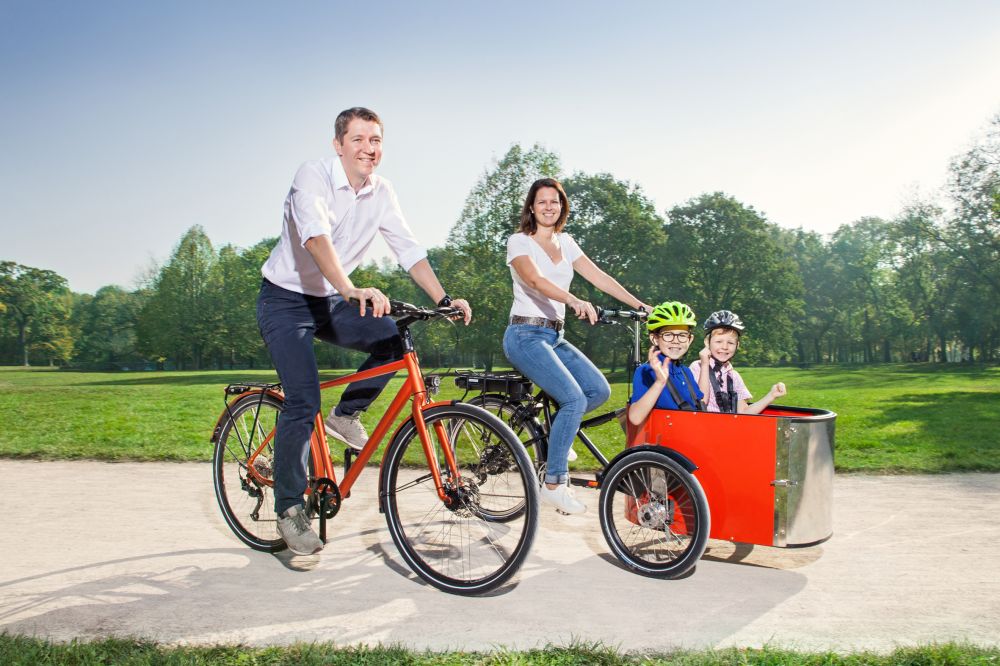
528 224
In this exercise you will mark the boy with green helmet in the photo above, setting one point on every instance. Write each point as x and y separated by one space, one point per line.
664 382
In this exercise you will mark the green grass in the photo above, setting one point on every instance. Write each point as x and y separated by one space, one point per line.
891 418
16 651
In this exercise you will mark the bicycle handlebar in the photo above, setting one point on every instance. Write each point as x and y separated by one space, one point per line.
605 315
402 309
413 312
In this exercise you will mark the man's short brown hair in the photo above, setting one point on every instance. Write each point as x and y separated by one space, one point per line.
346 116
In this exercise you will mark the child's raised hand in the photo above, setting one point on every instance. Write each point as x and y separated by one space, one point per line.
659 367
778 390
705 354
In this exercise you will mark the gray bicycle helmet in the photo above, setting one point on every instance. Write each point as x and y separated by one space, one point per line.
724 319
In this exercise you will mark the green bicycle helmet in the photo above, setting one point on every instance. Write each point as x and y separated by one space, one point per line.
670 313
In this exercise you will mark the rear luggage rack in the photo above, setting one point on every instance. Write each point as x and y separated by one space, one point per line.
243 387
511 383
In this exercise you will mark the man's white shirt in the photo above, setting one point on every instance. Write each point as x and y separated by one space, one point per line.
322 201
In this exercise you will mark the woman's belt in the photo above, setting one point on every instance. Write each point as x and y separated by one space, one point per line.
554 324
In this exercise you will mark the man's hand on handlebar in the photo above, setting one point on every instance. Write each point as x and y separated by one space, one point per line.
365 295
463 305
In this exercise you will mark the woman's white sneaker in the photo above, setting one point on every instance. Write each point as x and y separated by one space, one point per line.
561 497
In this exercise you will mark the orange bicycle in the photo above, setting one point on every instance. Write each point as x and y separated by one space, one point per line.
457 487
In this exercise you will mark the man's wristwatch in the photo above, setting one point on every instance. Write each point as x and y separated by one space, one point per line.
445 301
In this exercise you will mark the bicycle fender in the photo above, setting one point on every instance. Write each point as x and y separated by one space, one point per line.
676 456
232 403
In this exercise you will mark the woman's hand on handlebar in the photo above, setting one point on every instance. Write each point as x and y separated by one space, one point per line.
364 295
583 309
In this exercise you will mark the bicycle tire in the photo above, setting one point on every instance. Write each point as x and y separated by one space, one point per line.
455 547
247 500
654 515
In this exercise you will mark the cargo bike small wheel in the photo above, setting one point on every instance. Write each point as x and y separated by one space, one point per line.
654 514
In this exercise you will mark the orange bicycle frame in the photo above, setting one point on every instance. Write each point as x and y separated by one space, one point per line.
414 389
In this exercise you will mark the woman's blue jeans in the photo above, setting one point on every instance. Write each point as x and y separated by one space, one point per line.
566 375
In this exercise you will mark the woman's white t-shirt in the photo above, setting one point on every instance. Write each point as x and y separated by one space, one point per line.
529 302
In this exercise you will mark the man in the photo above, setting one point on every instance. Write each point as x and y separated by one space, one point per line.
332 213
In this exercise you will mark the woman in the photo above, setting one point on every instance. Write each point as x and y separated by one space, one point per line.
542 260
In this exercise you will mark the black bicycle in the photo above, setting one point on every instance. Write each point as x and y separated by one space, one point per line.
653 511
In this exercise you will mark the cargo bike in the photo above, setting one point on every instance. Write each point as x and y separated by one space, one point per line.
685 476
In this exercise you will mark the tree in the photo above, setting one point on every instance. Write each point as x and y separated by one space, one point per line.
619 229
179 321
37 303
723 254
106 328
974 231
818 270
477 245
234 283
863 250
924 277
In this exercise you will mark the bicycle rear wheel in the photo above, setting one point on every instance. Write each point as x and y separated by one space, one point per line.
242 471
527 429
524 425
457 545
654 515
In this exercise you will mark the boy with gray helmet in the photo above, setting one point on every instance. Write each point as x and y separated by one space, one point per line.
717 378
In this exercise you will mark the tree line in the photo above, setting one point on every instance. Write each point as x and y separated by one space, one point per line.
921 286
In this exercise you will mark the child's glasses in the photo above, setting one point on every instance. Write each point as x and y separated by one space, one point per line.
671 336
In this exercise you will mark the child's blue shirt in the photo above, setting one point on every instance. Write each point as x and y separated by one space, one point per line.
680 377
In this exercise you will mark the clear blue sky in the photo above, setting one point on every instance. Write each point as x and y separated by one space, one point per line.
124 123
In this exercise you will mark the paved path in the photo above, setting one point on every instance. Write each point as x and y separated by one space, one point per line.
94 549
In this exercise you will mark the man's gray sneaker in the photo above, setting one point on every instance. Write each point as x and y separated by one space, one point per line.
347 429
294 528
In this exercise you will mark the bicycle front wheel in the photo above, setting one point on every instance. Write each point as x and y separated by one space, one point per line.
243 471
456 544
654 515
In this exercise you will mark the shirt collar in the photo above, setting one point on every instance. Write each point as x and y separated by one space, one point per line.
340 181
724 368
673 368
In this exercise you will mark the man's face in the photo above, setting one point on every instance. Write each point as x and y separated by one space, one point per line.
361 150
